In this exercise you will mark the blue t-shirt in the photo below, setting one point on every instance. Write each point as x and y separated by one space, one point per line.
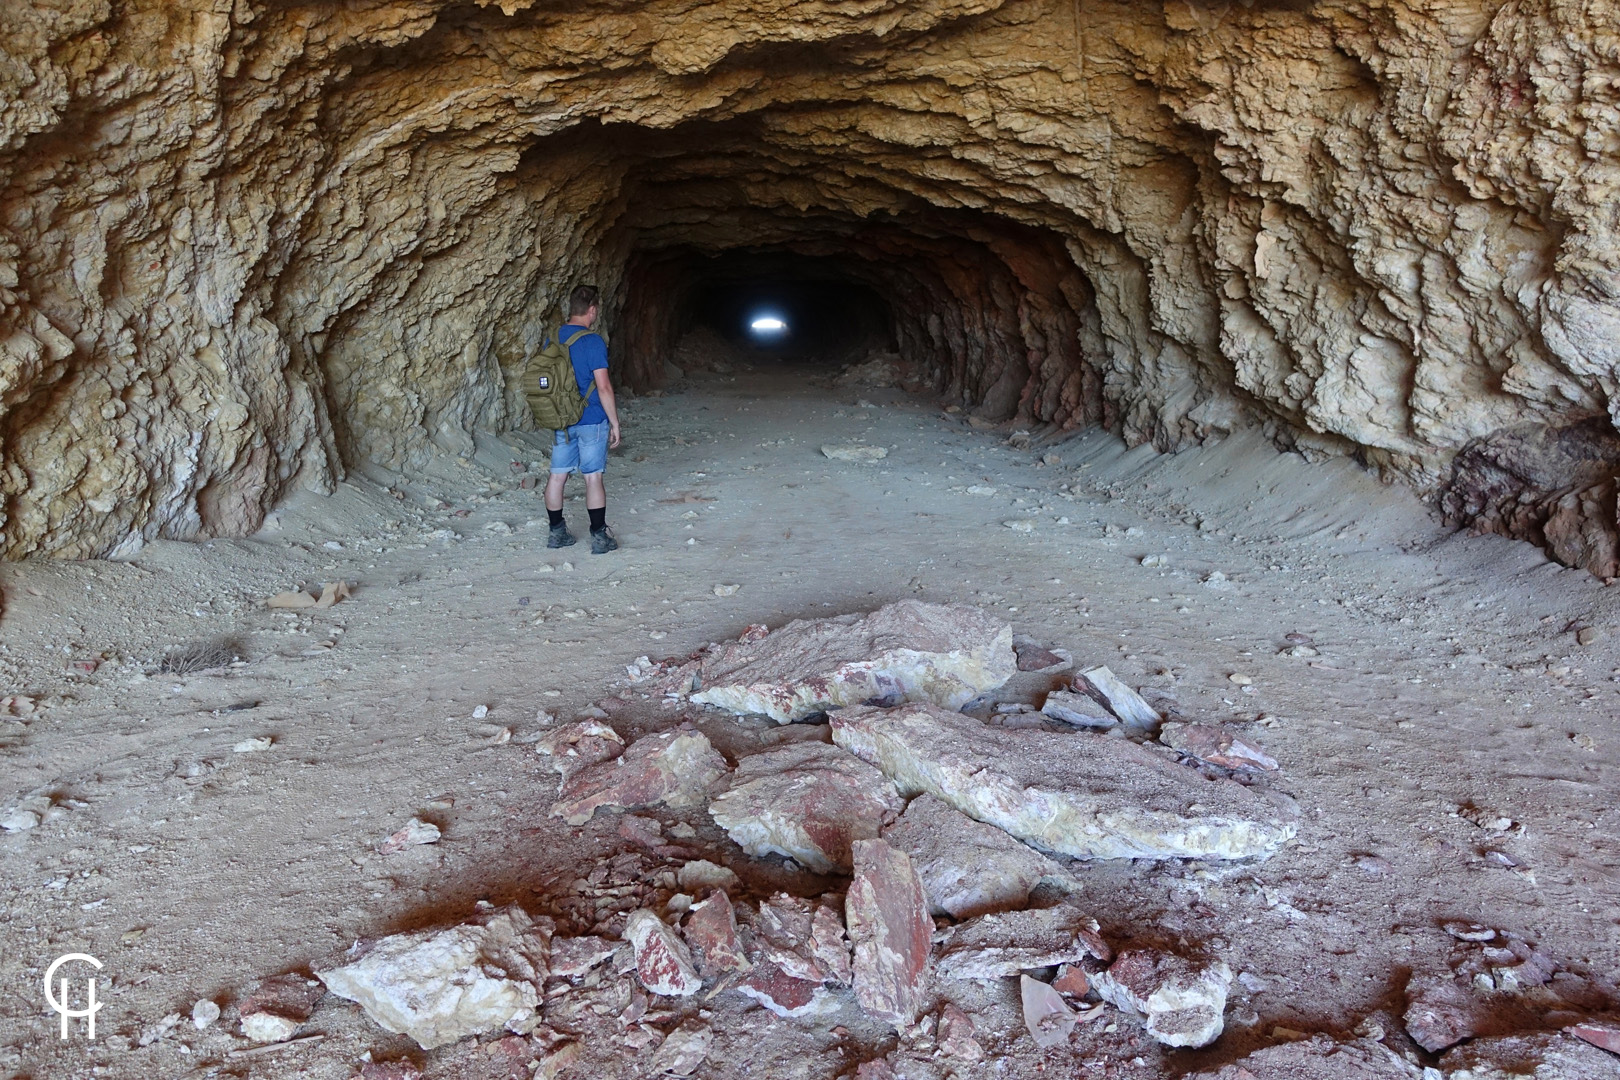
589 353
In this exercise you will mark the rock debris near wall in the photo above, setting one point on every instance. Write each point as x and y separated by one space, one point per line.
244 248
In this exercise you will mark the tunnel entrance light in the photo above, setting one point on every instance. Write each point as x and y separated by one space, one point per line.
767 324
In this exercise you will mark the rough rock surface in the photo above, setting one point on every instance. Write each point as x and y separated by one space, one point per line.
1182 1001
808 801
576 746
1090 798
676 768
784 995
947 654
995 946
967 867
441 986
889 927
803 939
242 251
1217 745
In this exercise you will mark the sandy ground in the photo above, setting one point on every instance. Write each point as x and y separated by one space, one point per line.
1449 691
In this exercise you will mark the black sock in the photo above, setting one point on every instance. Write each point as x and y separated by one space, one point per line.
598 518
555 516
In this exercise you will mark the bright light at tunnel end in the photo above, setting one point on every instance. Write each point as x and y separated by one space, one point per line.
767 324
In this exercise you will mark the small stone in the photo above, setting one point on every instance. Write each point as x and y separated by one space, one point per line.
683 1050
887 915
701 875
480 712
20 820
1299 651
967 867
726 590
1046 1015
1122 701
573 747
1240 679
1469 931
1023 525
1373 865
676 768
1588 635
807 801
1080 710
415 832
1033 657
1217 745
252 746
956 1034
855 453
204 1013
1182 1001
663 963
274 1009
268 1027
711 932
1071 980
905 651
996 946
1440 1011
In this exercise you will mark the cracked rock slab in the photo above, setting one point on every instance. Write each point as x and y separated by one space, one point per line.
786 996
676 768
967 867
440 986
996 946
1082 797
1182 1001
805 941
808 801
888 921
947 654
711 931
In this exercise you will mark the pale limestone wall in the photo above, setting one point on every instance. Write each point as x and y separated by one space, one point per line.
242 246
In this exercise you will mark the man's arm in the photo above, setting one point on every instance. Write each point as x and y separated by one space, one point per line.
604 391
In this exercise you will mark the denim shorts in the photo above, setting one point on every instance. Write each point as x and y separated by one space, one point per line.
581 448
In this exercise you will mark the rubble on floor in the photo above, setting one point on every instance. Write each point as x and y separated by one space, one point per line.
805 940
711 932
905 651
1125 703
1046 1015
1217 745
1078 710
576 746
674 768
1479 994
1182 1001
808 801
1089 798
967 867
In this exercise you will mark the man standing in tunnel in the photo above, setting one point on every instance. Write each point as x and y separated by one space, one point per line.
583 447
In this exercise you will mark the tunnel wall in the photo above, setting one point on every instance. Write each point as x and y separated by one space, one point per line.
243 246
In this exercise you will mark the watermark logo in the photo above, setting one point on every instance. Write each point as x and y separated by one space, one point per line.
61 1005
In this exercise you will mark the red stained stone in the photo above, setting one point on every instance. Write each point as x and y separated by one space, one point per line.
711 930
888 921
784 995
663 963
676 768
1604 1034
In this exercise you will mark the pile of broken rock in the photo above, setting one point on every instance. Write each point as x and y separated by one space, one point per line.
952 838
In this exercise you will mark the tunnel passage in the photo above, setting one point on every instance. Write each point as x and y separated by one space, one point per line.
242 252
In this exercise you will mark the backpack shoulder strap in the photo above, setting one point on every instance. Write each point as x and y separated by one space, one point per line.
568 349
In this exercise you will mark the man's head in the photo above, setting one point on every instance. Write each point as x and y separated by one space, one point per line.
583 303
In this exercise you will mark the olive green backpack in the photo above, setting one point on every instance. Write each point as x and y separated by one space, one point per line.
551 388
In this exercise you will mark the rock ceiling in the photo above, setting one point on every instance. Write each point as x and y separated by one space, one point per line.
246 245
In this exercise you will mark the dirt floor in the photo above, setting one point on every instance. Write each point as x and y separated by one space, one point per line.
1453 749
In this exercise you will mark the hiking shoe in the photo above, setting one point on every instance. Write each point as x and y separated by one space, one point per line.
602 541
560 537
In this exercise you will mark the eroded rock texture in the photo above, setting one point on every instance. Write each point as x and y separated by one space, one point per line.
245 246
